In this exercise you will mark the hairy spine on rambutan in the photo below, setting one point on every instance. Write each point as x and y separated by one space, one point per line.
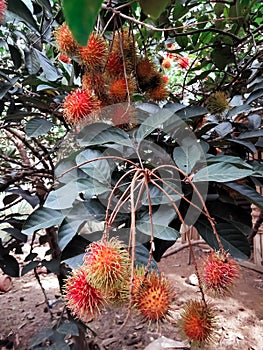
108 265
123 44
65 40
95 81
120 89
159 93
114 66
198 322
94 55
78 105
217 103
81 297
147 75
3 8
153 296
220 273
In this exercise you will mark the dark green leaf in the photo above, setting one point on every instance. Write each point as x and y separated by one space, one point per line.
49 70
158 197
191 111
9 265
247 192
21 11
63 197
154 8
237 110
182 41
10 199
187 156
41 337
92 187
42 218
51 265
251 135
30 266
81 16
5 87
249 145
222 56
221 172
159 231
237 161
17 234
232 239
254 95
15 55
101 133
68 328
97 169
33 200
37 127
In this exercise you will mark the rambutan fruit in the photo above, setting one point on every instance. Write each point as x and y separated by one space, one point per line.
120 88
108 264
165 79
183 62
220 274
198 322
78 105
145 69
65 40
217 103
123 44
166 63
64 58
3 8
94 81
159 93
153 297
81 297
114 66
94 54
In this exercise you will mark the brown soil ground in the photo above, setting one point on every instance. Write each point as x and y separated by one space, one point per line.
240 318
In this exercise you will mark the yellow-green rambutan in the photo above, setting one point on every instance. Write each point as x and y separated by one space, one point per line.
217 103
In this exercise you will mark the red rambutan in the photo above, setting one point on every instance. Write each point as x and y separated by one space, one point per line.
165 79
198 322
108 264
145 69
81 297
184 62
153 296
78 105
219 274
114 66
3 8
65 40
64 58
94 55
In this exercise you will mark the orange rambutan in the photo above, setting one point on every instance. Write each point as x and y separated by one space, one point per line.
166 63
159 93
114 66
145 69
94 54
94 81
108 264
3 8
120 88
198 322
78 105
153 296
219 274
81 297
65 40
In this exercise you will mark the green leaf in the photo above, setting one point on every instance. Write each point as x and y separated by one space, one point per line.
222 56
41 337
221 172
158 197
30 266
9 265
91 187
97 169
237 161
18 8
154 8
182 41
232 239
49 70
162 232
42 218
153 122
63 197
101 133
81 16
247 192
254 95
68 328
251 135
187 156
37 127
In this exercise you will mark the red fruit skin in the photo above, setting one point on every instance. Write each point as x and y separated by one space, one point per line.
220 274
184 62
82 299
3 8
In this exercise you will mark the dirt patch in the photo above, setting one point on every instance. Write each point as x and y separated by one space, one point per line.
240 317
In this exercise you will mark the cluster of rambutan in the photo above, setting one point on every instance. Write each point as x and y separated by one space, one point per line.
105 279
112 73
